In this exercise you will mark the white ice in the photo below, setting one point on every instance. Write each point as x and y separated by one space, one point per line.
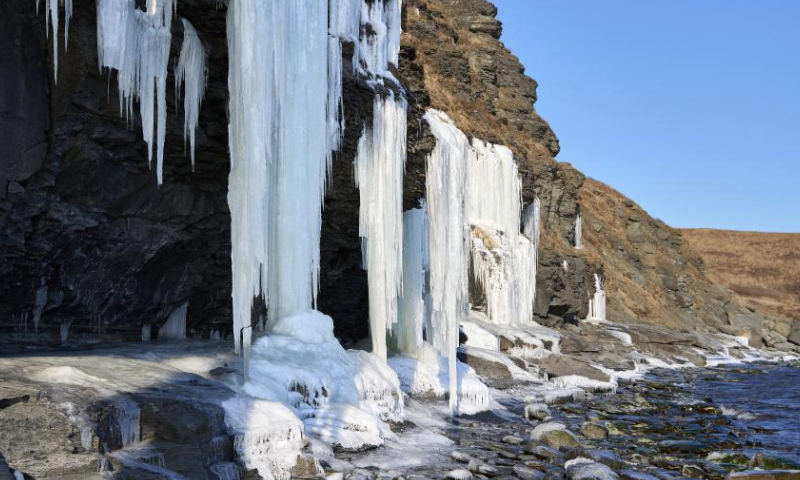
191 72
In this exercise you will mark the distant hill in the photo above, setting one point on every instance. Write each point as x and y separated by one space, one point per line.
762 268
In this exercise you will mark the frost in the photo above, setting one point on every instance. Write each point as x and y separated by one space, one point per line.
191 67
380 165
175 326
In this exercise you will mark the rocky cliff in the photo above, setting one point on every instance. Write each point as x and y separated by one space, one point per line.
88 232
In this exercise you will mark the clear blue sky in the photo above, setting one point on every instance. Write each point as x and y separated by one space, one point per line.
689 107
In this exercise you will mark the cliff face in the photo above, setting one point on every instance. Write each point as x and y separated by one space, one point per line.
761 268
84 221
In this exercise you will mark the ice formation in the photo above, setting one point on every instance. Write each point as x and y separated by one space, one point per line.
379 42
280 151
51 17
407 335
175 326
65 331
136 44
147 332
191 72
503 257
597 304
380 165
578 232
448 240
38 305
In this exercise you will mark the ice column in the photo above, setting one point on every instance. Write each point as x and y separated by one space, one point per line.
175 326
448 239
597 304
279 81
191 71
407 334
380 165
578 232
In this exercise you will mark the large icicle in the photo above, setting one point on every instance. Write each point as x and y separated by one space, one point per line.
407 334
380 165
448 240
191 71
578 232
136 43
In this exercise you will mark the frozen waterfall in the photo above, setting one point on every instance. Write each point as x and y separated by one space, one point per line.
578 232
597 304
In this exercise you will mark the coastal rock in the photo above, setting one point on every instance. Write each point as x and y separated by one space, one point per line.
594 431
589 470
560 439
794 335
562 366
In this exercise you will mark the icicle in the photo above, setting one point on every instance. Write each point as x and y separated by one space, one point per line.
65 332
191 67
175 326
147 332
280 149
578 232
128 416
136 44
407 335
448 239
597 304
51 17
531 221
380 164
39 303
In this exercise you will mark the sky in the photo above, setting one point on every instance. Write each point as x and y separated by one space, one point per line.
689 107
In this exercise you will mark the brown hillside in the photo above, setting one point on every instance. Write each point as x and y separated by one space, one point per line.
762 268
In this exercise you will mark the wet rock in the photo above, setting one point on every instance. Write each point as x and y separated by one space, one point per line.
693 471
460 456
543 452
306 467
560 439
562 366
513 440
458 474
537 411
765 475
683 446
487 470
630 474
594 431
525 473
589 470
536 433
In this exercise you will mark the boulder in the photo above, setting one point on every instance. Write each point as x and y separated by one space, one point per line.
589 470
594 431
560 439
562 366
794 335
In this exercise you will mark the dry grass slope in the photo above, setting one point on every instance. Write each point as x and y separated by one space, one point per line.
762 268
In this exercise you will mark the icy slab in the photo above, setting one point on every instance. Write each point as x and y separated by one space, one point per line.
429 374
588 384
478 336
493 356
540 340
379 169
191 72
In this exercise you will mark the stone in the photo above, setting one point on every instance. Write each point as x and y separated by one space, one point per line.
537 411
794 335
630 474
458 474
306 467
460 456
591 471
693 471
543 452
594 431
5 471
525 473
562 365
560 439
513 440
